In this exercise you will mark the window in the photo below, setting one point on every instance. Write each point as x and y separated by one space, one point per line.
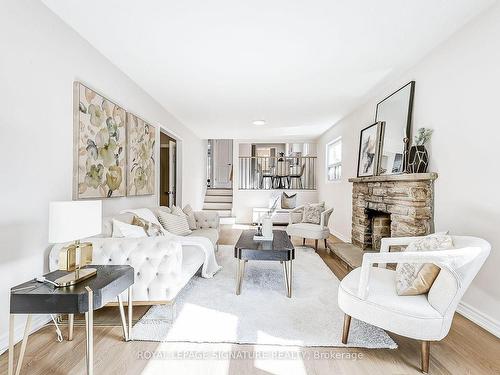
334 160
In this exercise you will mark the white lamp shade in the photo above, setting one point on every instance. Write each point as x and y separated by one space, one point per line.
74 220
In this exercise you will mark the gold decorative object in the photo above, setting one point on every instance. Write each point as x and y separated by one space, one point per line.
72 258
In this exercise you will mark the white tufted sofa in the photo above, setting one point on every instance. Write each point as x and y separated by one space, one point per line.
162 265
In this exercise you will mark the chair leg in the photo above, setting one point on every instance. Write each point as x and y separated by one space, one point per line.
326 247
303 241
425 356
316 245
345 331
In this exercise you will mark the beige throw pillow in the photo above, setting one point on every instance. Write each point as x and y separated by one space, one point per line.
151 229
188 210
175 224
288 201
417 278
312 213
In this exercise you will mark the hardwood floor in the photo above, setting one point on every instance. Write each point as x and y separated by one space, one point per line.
468 349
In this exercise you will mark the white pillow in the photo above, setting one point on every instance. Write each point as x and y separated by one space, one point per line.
174 224
143 213
121 229
188 210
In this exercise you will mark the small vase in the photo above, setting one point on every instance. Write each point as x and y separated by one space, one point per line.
418 159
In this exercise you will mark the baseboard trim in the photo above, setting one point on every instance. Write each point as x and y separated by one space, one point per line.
37 322
479 318
340 236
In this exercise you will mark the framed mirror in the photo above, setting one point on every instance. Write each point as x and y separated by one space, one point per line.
395 111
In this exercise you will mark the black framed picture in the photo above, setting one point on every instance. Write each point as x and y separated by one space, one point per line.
368 155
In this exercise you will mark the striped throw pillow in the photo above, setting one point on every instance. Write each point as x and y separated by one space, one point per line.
175 224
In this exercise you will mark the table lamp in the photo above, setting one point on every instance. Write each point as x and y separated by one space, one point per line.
71 221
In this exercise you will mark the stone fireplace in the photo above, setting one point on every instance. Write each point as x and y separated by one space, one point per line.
387 206
405 202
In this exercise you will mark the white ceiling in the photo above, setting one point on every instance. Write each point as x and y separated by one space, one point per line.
300 65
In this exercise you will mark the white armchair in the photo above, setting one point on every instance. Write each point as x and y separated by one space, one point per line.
307 230
369 293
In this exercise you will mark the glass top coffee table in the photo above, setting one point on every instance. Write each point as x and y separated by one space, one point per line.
280 249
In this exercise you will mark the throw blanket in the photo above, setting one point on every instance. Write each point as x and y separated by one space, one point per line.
210 265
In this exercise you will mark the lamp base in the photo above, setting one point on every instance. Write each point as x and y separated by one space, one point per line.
75 277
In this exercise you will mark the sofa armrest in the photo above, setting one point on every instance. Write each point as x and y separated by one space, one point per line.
207 219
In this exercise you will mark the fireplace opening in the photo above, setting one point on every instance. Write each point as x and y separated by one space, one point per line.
379 227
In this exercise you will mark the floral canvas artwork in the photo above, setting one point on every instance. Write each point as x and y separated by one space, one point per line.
100 140
141 156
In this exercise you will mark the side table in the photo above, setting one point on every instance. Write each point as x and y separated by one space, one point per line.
33 297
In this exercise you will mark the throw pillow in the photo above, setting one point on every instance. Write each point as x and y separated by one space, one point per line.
188 210
175 224
144 213
288 201
121 229
417 278
312 213
151 229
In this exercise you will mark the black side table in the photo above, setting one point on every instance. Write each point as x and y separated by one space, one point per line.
33 297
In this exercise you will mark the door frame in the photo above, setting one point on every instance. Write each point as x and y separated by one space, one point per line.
178 167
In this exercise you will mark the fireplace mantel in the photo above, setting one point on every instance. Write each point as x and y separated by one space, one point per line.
397 177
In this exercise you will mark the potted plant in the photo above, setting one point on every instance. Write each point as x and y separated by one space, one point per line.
418 158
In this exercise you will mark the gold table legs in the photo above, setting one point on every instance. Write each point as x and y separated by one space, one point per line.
89 329
126 322
287 270
71 325
240 272
89 325
23 345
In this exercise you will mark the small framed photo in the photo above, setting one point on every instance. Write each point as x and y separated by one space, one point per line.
369 148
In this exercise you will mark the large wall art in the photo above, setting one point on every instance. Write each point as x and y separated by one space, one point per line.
141 138
99 145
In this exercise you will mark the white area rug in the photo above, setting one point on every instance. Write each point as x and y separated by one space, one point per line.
208 310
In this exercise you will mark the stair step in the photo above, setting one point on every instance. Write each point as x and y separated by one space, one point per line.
218 206
218 198
222 213
219 192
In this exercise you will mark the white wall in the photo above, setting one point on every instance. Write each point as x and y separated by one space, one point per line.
457 95
40 59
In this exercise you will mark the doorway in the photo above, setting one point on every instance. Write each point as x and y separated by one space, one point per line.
221 163
168 170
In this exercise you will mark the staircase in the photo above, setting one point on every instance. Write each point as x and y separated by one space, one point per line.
220 200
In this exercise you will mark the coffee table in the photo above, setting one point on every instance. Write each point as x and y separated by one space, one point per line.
279 249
